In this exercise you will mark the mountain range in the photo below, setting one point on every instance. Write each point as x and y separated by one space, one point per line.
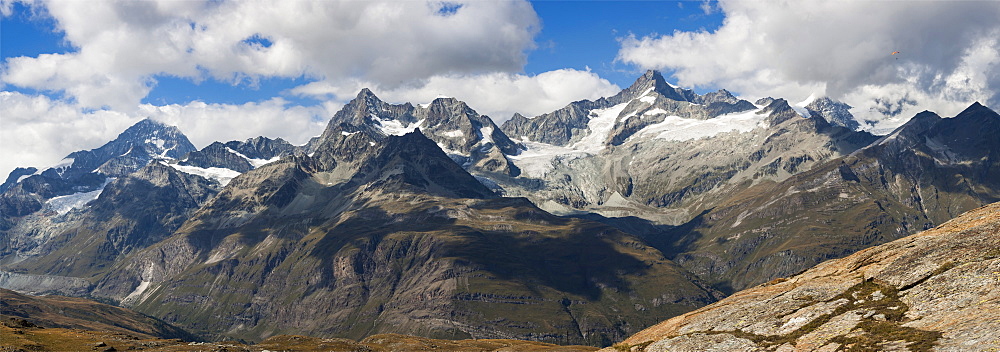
579 226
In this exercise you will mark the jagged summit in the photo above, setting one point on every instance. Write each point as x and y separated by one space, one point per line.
834 112
977 108
469 138
146 140
648 101
88 170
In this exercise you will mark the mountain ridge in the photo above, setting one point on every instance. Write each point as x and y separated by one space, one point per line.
429 219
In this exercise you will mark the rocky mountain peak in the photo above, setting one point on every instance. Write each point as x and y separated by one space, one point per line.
778 111
651 81
977 109
87 170
834 112
157 138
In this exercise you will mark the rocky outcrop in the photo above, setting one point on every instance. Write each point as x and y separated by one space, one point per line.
936 290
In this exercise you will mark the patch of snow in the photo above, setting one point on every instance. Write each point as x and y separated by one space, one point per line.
19 179
215 173
648 99
395 127
155 141
345 133
800 107
255 162
137 292
676 128
261 162
656 111
453 134
600 125
486 134
539 158
63 204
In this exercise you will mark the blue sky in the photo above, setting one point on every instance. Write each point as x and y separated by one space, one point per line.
574 34
76 73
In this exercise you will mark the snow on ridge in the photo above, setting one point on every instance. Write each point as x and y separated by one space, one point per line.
800 107
60 167
677 128
395 127
261 162
600 125
222 175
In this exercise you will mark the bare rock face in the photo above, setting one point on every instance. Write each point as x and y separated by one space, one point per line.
936 290
470 139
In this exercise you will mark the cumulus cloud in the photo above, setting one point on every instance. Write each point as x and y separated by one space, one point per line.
38 131
121 46
842 49
498 95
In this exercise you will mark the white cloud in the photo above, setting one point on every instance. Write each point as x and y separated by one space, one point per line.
121 46
840 48
38 131
498 95
205 123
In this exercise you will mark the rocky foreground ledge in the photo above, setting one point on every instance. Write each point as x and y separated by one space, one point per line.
938 290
